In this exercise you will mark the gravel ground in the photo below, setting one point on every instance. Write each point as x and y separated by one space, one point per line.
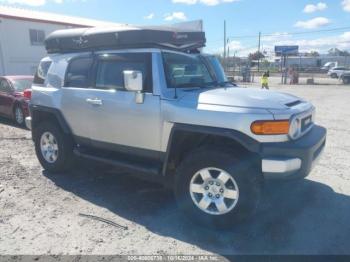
40 211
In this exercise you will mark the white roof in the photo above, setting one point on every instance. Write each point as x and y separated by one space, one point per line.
27 14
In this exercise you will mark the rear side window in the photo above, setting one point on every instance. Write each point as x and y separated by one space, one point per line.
109 70
78 72
4 86
41 73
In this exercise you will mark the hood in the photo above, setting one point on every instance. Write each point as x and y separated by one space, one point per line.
245 97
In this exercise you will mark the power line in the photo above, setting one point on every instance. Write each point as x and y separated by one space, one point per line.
295 33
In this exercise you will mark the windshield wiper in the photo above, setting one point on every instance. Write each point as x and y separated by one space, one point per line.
191 85
224 83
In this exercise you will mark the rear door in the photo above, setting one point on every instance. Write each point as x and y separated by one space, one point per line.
75 105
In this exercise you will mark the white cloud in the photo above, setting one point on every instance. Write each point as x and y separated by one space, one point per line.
321 45
205 2
311 8
31 2
175 16
278 36
150 16
235 45
346 5
313 23
187 2
25 2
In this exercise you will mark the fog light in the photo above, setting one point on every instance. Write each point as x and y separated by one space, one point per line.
270 127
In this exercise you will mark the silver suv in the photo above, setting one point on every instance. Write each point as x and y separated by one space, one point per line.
172 117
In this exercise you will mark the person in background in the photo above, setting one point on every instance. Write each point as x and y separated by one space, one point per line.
265 80
291 75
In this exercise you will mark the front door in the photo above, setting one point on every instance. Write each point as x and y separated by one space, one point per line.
117 122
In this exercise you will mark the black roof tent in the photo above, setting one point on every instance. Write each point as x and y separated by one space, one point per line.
87 39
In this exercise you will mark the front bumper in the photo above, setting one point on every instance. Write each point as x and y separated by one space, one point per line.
294 158
29 122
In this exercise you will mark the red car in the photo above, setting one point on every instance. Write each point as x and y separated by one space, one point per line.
15 94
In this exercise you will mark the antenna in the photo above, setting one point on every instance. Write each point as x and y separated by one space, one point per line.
175 97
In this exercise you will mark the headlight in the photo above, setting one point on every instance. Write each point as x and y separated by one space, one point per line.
294 129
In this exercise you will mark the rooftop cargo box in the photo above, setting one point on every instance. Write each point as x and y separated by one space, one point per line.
84 39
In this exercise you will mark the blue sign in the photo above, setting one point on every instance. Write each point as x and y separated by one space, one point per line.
287 50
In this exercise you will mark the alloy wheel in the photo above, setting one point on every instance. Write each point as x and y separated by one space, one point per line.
214 191
49 147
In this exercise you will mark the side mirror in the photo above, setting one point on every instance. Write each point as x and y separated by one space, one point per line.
133 82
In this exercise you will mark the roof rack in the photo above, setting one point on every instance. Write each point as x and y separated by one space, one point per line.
90 39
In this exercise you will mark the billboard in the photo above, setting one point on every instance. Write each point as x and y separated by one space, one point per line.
286 50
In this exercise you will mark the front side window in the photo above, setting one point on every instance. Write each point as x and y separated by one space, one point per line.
78 72
37 37
110 68
218 69
186 71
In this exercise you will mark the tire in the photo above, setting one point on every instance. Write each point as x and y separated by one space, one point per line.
19 115
246 177
62 160
346 80
334 75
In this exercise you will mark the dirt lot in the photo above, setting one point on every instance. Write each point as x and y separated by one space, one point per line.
39 212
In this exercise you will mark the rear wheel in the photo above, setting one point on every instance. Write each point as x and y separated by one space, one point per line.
216 188
19 115
54 149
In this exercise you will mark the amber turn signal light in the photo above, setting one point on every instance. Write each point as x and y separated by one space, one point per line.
280 127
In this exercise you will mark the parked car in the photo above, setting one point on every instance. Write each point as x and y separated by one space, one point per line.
329 65
336 72
15 94
154 107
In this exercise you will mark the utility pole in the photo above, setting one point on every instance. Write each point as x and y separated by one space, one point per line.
228 51
259 45
225 41
225 44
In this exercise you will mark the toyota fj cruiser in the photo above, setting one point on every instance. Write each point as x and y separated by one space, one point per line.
146 101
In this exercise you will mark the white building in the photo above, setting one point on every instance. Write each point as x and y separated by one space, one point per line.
22 35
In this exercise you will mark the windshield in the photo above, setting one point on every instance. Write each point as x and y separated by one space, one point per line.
22 84
186 71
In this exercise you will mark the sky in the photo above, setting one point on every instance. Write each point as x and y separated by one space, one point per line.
313 25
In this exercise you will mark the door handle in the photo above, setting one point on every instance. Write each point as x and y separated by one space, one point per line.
95 101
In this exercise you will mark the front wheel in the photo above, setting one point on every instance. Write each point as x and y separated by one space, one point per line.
54 149
216 188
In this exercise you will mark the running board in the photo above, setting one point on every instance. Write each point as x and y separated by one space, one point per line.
150 172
